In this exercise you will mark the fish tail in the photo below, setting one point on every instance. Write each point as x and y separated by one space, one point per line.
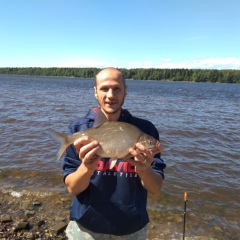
63 137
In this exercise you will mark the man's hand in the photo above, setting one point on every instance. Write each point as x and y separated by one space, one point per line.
142 160
143 157
87 151
79 180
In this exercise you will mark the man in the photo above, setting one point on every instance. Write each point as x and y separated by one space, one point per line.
110 203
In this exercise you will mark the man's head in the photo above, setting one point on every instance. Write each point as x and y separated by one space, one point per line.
110 90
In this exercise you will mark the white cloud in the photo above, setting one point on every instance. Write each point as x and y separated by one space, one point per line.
87 63
145 64
201 63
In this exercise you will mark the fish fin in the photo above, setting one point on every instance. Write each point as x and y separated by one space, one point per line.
100 118
112 163
63 137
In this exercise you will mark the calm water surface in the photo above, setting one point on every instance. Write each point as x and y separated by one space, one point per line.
199 127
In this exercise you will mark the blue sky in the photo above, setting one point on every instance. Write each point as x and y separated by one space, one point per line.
120 33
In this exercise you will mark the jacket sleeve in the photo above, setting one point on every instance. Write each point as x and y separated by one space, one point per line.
71 161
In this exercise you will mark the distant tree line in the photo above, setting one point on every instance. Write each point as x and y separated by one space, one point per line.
178 74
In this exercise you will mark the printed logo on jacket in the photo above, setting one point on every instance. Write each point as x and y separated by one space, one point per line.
122 169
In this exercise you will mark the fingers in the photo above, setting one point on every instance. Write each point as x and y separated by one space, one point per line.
151 151
157 148
142 156
145 153
81 142
87 150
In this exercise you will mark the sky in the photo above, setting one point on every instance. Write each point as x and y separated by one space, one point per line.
201 34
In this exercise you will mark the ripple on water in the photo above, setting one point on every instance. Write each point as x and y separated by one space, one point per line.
199 130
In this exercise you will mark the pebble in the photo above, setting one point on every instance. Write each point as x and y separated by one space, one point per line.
22 224
5 218
29 212
47 218
31 219
55 230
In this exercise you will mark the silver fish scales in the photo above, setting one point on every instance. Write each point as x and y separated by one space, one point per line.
115 139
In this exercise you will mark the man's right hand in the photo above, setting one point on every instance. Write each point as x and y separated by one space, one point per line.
87 151
79 180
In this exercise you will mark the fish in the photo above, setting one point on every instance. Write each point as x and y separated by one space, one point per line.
115 139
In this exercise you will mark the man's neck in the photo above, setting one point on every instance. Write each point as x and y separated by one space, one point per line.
113 116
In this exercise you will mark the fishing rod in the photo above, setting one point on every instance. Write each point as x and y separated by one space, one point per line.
184 214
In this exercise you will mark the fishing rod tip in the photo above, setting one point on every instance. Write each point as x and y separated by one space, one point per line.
185 196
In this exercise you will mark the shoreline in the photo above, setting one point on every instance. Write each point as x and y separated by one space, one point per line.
46 217
33 218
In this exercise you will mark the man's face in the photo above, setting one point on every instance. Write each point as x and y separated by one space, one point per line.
110 92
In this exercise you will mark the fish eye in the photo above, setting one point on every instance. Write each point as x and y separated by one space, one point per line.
150 141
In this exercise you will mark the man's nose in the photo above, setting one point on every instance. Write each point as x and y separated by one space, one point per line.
110 93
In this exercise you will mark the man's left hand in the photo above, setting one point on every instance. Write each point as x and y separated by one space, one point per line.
142 156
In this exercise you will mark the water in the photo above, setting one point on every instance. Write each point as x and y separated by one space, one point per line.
199 127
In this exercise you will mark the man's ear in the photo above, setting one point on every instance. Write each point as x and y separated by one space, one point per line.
95 92
125 91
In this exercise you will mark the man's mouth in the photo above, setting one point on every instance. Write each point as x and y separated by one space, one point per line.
111 102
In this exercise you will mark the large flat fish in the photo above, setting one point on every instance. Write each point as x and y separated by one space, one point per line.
115 139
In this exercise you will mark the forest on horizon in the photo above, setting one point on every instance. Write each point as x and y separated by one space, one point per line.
173 74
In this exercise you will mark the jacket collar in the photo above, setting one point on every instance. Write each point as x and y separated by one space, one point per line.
125 114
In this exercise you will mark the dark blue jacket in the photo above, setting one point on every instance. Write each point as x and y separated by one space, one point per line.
115 200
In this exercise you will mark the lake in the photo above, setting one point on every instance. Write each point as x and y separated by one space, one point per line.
199 127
